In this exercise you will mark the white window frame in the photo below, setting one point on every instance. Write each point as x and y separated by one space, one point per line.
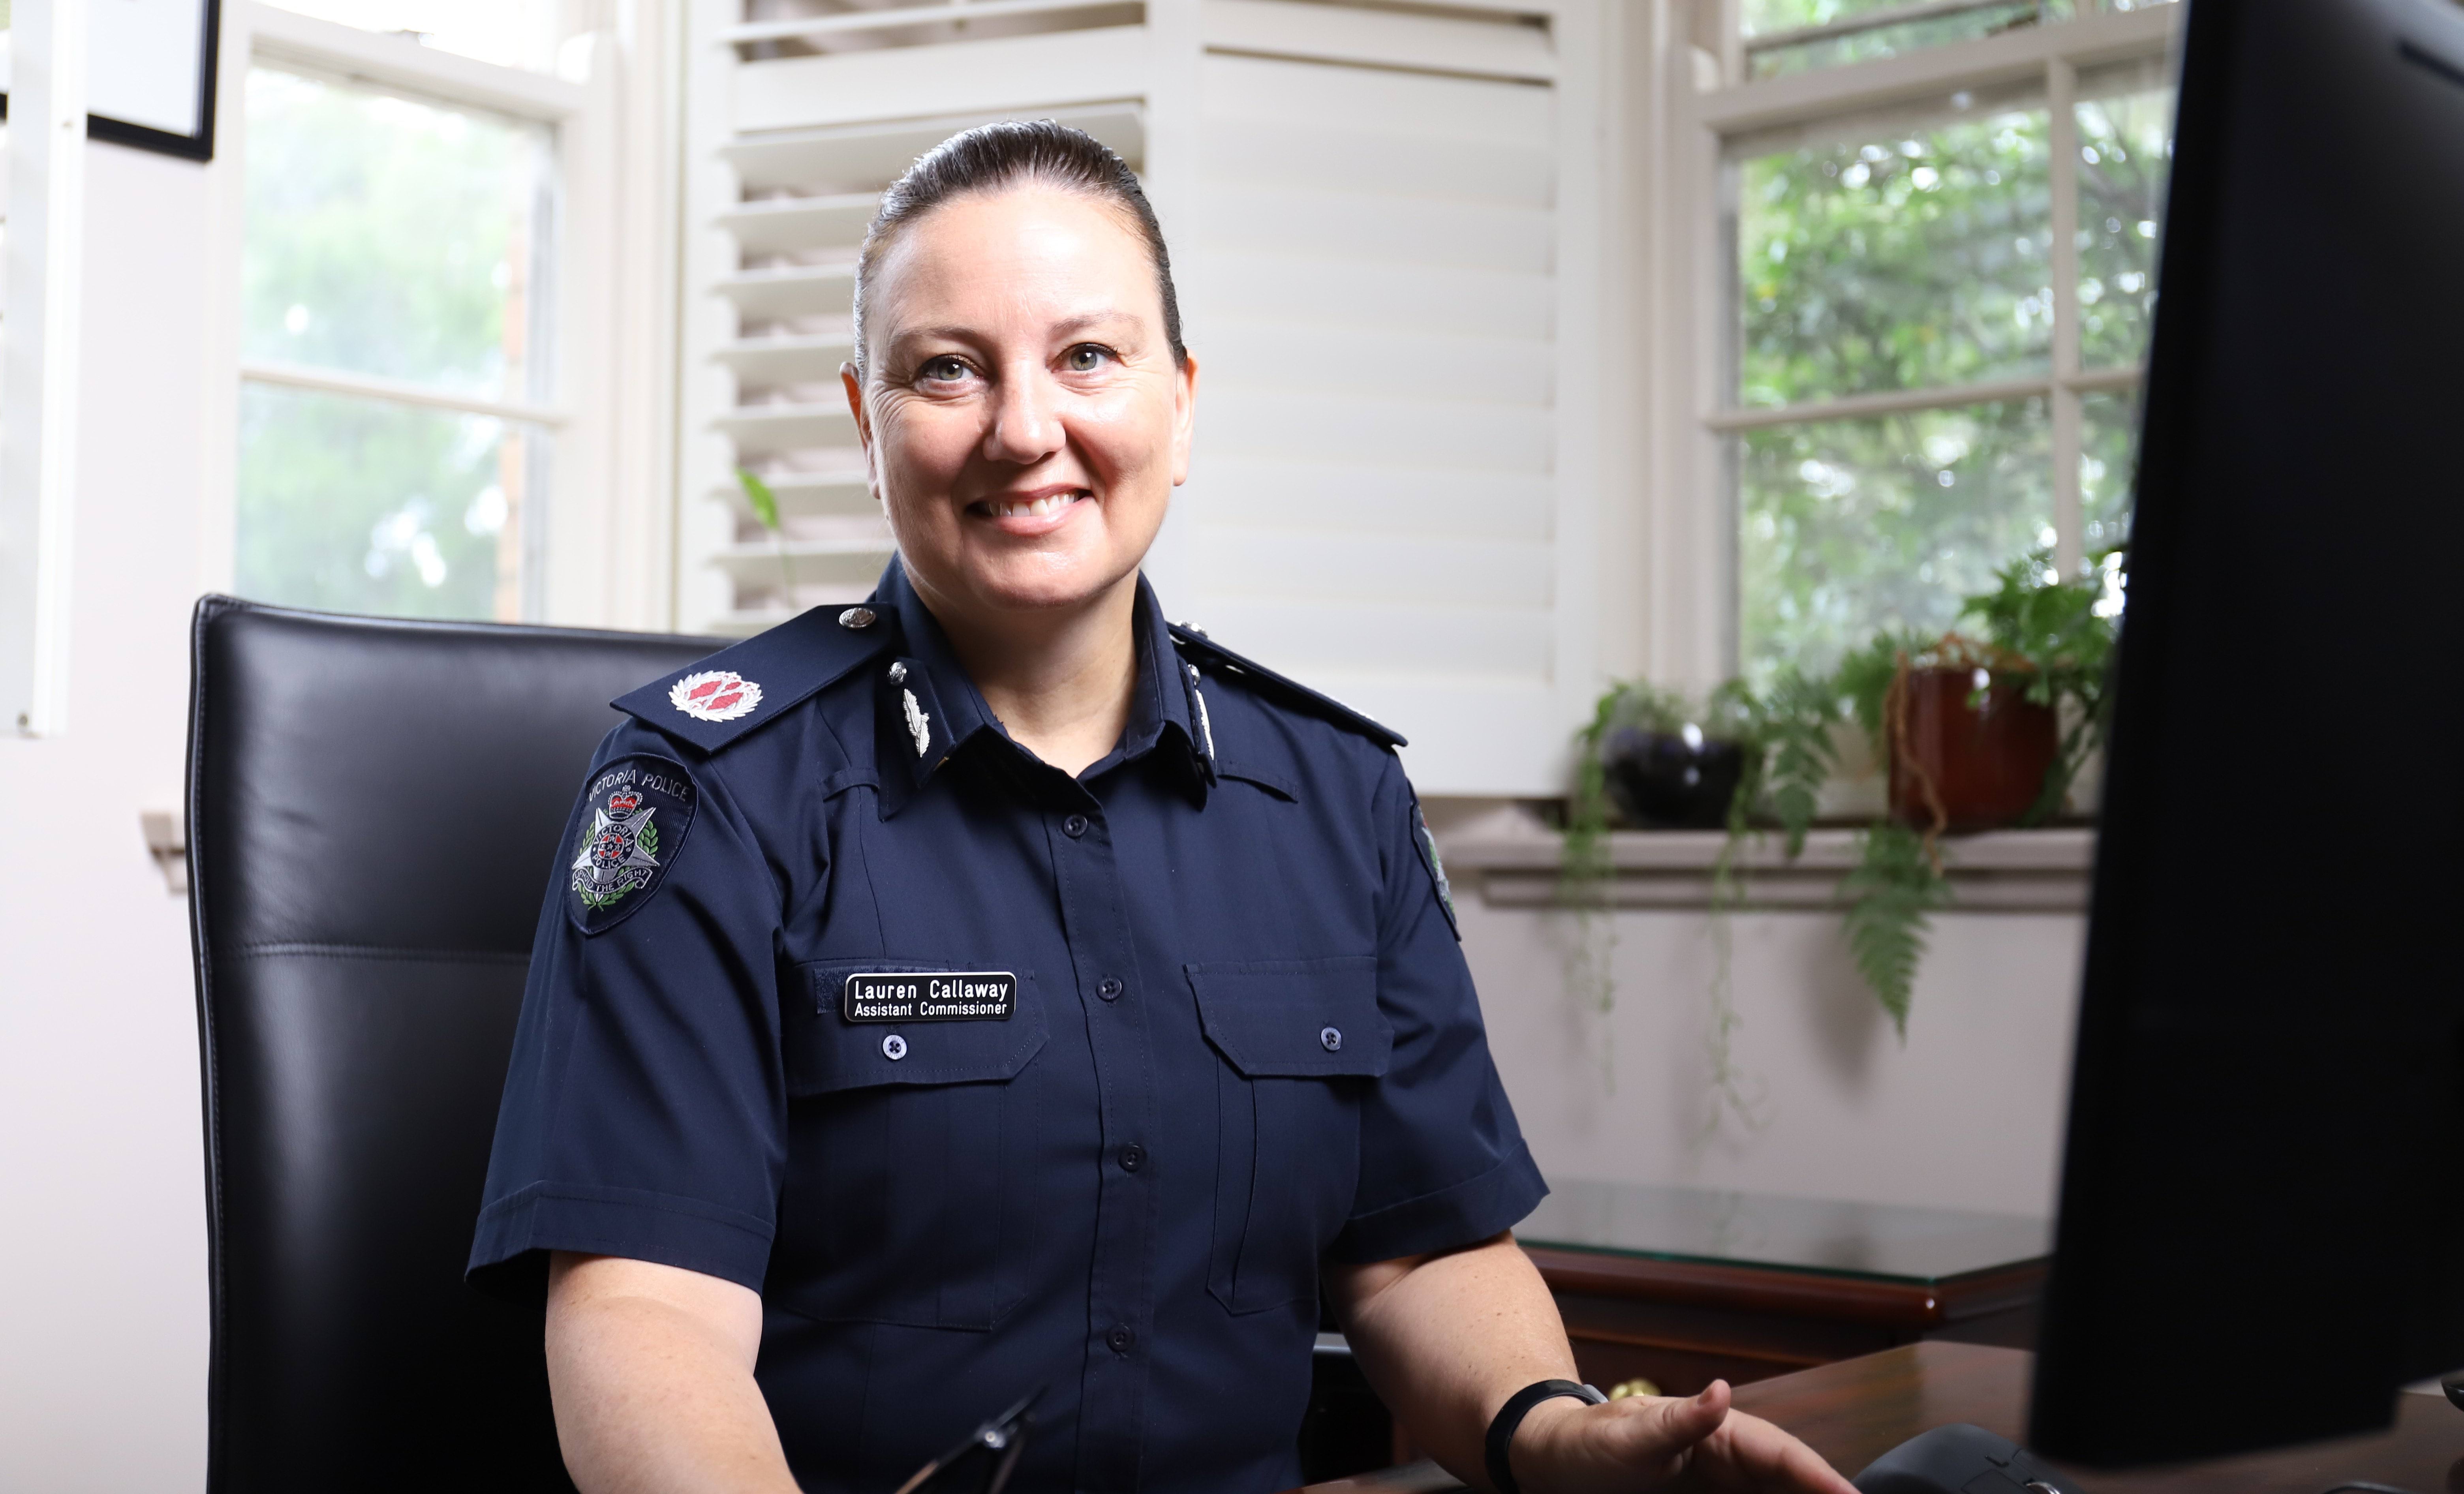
608 515
1688 97
42 202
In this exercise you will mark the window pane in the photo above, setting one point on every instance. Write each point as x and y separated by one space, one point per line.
1851 526
367 506
519 34
1795 36
1904 258
397 238
2108 466
1841 38
2126 153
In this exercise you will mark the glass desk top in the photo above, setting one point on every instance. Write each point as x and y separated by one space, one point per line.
1881 1241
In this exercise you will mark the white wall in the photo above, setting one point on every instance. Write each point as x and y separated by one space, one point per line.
1966 1114
103 1230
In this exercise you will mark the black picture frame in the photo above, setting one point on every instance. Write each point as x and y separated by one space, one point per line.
198 144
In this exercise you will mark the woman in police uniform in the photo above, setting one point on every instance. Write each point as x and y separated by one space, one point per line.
993 986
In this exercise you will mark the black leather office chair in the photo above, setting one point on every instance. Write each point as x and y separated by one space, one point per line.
374 809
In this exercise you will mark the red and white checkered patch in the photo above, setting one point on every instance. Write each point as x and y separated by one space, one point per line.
714 696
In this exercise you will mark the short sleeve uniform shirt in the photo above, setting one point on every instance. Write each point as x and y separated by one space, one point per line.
987 1078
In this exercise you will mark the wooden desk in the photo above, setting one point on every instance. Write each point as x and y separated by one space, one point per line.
1685 1286
1854 1411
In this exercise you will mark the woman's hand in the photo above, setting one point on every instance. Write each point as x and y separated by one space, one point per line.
1662 1442
1447 1338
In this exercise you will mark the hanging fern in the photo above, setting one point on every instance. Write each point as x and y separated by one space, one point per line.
1894 886
1792 753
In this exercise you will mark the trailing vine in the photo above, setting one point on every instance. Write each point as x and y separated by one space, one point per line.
1584 878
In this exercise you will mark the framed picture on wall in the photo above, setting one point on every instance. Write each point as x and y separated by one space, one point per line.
151 73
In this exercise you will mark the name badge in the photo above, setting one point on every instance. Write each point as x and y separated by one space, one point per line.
973 995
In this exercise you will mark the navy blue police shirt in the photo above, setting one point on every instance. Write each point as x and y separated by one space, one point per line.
987 1078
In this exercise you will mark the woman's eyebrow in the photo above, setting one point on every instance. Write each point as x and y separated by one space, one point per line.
903 342
909 336
974 336
1095 318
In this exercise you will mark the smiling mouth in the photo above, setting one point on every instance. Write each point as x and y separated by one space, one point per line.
1032 508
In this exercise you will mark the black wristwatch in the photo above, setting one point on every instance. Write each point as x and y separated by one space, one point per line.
1501 1431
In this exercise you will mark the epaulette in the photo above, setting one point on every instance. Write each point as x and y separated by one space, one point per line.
1191 640
712 702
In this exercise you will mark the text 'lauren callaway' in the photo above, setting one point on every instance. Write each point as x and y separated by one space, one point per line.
973 995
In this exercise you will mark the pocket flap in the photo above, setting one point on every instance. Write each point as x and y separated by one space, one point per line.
827 1052
1295 1018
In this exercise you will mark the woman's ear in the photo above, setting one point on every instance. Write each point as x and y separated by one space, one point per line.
852 379
1185 415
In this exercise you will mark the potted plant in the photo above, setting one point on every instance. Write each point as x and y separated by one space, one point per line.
1666 764
1652 759
1979 730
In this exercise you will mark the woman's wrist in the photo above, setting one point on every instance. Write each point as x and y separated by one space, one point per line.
1536 1452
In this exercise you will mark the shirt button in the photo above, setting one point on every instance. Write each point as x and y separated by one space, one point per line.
893 1047
1133 1157
1074 826
1110 989
1330 1039
1120 1339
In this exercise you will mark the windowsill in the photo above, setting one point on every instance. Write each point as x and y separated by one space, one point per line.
1511 859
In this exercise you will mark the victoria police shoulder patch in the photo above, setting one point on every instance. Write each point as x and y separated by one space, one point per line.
629 831
1436 867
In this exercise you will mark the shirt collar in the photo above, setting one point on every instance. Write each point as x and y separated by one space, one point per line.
929 708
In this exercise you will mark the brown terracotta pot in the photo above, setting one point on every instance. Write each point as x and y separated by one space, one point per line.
1986 761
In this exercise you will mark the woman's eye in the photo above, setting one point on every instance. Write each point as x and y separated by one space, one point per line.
942 370
1085 358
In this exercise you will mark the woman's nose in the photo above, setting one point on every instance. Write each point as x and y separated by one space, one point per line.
1027 421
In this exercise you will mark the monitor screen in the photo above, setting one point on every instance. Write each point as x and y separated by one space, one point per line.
2262 1222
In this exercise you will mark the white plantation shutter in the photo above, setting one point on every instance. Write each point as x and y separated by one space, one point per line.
1371 211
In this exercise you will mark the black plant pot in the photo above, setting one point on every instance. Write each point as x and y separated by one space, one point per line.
1661 779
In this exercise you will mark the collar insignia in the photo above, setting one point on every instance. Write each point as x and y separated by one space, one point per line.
714 696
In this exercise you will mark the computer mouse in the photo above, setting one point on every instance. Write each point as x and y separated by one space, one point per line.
1959 1459
2454 1386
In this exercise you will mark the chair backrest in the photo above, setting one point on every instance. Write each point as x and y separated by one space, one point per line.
373 812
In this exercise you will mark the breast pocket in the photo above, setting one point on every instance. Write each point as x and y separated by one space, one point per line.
1299 1040
907 1135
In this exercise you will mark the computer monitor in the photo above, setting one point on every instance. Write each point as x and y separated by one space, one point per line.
2261 1226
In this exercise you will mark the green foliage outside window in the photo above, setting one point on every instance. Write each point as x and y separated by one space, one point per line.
1917 254
393 239
2126 153
363 506
1897 258
1894 258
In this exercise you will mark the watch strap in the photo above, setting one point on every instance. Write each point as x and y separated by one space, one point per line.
1509 1417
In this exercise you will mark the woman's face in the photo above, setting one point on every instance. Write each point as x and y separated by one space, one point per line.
1024 422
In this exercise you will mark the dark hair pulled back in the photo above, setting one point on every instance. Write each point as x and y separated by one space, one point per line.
992 157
